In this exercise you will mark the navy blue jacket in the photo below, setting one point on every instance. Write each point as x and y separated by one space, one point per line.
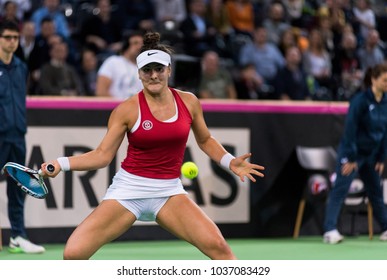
365 133
13 80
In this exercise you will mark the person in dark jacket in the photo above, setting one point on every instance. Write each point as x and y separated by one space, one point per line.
13 127
199 34
291 80
362 152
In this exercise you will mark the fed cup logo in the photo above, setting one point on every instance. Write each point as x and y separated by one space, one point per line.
147 125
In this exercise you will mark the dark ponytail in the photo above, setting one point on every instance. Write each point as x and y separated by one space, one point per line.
367 82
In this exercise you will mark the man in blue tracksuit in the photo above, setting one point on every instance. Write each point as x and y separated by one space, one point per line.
13 80
362 151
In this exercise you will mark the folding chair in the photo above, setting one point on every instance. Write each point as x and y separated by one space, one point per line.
355 203
320 160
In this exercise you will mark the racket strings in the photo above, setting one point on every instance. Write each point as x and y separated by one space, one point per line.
30 183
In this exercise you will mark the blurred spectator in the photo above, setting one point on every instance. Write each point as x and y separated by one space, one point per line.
346 68
41 51
137 14
47 30
308 12
293 9
170 10
88 71
102 31
198 33
51 9
324 24
365 16
350 19
318 67
218 16
9 13
380 9
287 39
291 81
248 83
371 54
336 14
302 38
169 15
348 28
266 57
23 7
118 75
241 15
275 23
333 10
215 82
26 42
57 76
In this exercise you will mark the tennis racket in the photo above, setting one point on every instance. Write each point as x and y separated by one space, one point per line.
29 180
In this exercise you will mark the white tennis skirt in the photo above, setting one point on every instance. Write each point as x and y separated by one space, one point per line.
129 186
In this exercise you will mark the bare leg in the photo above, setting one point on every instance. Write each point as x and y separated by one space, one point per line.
182 217
107 222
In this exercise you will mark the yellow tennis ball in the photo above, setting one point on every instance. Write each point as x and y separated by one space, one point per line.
189 170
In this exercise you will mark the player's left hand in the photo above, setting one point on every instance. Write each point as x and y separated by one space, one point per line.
53 174
242 168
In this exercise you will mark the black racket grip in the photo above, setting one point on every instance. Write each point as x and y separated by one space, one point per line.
50 168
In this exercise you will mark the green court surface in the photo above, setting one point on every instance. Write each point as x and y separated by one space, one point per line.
303 248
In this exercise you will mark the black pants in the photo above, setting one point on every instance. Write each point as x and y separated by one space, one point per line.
14 151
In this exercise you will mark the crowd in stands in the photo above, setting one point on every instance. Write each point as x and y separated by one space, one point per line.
241 49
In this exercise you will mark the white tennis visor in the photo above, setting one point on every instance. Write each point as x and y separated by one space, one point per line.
153 56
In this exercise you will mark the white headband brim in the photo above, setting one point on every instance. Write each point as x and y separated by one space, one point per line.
153 56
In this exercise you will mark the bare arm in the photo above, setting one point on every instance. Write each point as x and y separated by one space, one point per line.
101 43
214 149
205 94
231 92
102 156
103 86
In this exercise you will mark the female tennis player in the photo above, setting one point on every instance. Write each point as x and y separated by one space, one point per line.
147 187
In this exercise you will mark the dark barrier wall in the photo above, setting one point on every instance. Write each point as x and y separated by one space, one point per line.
274 130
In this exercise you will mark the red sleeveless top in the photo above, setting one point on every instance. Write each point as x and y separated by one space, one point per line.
156 148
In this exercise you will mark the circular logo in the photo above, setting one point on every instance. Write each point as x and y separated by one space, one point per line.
147 125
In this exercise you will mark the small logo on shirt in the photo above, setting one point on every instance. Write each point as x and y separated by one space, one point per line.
1 73
147 125
371 107
149 53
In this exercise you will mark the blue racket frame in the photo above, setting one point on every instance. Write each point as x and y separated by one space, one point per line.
29 180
